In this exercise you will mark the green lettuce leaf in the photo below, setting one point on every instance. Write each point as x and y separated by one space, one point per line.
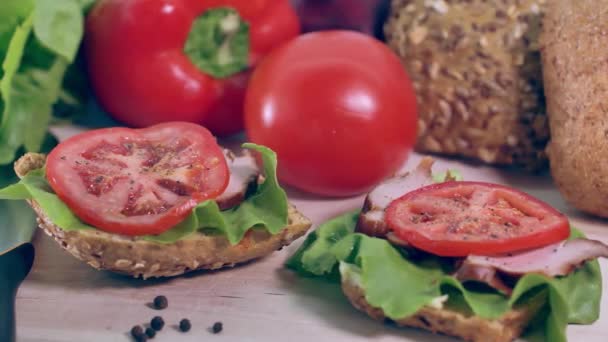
266 208
384 271
316 256
12 13
442 176
39 41
12 125
587 284
18 220
59 25
86 4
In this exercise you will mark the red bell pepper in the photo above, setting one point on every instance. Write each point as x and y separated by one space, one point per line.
154 61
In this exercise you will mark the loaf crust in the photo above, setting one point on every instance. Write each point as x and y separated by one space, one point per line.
576 81
447 322
141 258
476 69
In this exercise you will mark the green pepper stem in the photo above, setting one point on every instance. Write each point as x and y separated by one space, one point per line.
218 43
230 27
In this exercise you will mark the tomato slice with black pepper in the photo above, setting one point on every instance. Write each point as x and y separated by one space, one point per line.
137 181
457 219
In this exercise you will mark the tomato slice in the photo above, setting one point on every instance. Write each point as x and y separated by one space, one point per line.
137 181
461 218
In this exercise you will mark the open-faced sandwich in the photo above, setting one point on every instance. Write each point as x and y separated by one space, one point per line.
158 201
479 261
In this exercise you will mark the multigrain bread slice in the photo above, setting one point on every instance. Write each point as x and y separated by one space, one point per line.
141 258
448 322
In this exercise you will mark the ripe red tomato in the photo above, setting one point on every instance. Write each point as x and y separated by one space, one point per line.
137 181
462 218
338 109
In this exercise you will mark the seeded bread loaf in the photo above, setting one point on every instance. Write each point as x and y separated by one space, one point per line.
476 69
575 68
140 258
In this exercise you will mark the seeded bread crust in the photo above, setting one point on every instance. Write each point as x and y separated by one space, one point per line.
476 69
447 322
140 258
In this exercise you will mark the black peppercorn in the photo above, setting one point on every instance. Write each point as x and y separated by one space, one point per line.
217 327
138 334
137 331
184 325
157 323
150 332
160 302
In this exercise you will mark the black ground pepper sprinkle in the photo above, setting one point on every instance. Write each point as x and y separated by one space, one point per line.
217 327
157 323
150 332
160 302
184 325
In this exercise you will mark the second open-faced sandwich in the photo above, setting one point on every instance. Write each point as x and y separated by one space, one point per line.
158 201
480 261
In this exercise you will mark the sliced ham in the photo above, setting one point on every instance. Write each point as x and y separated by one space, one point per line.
559 259
484 274
554 260
244 173
371 221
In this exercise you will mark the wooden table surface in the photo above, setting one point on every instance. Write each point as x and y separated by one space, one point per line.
65 300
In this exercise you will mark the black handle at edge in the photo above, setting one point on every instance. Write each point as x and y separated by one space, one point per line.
15 264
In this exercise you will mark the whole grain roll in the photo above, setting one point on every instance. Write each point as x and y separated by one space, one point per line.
476 68
575 60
